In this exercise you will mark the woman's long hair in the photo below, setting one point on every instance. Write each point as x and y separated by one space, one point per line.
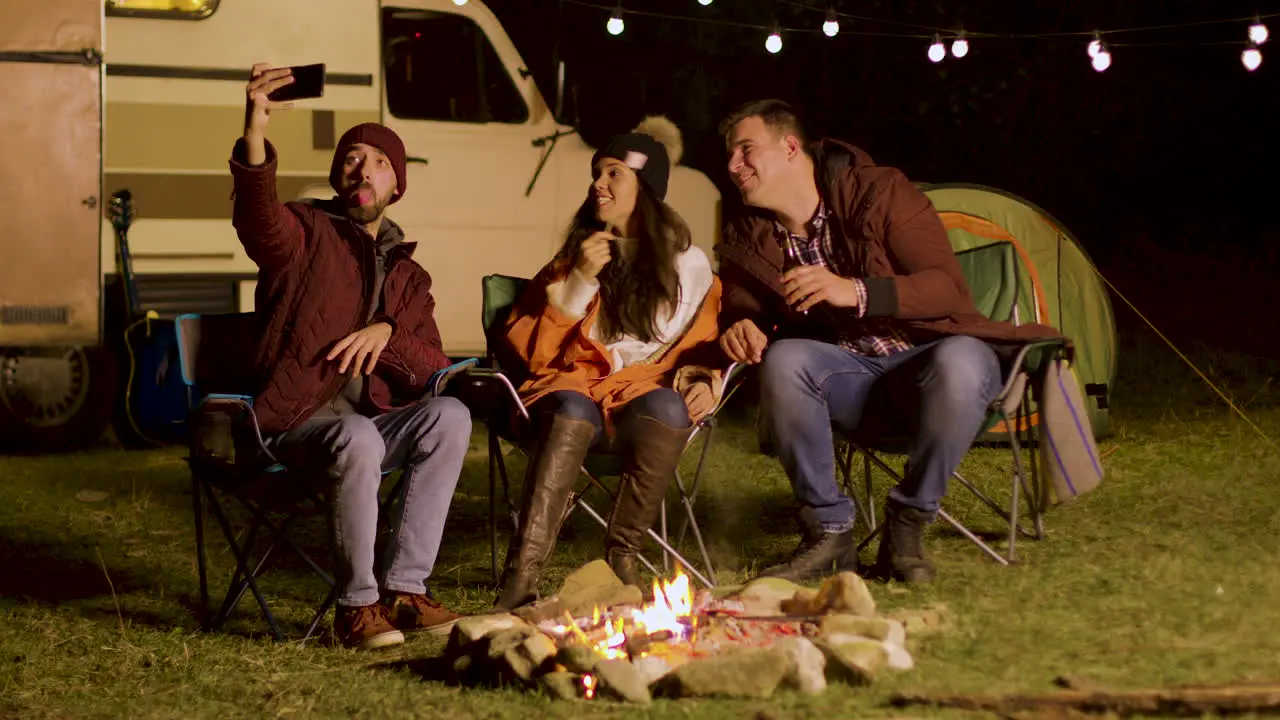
633 292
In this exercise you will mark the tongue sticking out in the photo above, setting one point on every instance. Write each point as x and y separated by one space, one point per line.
364 197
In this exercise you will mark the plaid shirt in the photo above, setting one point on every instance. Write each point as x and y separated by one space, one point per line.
879 339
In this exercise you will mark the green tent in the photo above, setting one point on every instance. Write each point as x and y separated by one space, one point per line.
1056 283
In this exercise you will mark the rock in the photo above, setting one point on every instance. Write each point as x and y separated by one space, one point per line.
578 658
805 602
924 621
651 668
504 640
625 595
472 629
898 657
620 679
808 665
876 628
739 673
591 585
846 593
764 596
852 659
520 665
563 685
538 647
541 610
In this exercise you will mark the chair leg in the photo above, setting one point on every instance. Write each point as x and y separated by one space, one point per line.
494 453
690 496
866 477
242 565
197 503
974 538
329 601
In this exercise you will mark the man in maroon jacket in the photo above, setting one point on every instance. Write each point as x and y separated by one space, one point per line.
347 345
843 271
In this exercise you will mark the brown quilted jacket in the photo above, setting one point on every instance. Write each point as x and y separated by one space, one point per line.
314 268
887 229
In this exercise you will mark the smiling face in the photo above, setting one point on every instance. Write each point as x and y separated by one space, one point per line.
613 189
368 183
761 161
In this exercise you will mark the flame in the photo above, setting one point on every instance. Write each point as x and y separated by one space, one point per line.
615 639
589 686
672 602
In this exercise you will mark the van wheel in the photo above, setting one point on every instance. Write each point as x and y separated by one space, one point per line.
55 398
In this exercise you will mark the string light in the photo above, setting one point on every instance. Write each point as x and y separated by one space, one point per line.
1258 32
459 3
773 43
704 3
937 51
615 26
832 24
960 46
1251 57
1095 45
1102 58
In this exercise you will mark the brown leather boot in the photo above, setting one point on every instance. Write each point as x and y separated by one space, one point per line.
650 466
548 483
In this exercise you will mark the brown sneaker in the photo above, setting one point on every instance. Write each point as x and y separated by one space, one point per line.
419 612
366 628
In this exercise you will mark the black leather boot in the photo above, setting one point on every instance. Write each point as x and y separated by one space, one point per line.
819 554
548 483
650 465
901 554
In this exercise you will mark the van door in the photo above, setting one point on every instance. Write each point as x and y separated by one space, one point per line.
51 83
455 93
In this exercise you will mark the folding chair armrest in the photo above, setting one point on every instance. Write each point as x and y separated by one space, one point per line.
494 375
440 378
731 382
243 404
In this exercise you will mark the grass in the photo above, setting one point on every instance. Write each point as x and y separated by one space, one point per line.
1163 576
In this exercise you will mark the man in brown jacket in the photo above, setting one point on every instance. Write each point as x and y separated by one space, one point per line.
840 279
347 343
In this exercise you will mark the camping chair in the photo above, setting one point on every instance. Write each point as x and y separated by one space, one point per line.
991 274
230 461
500 293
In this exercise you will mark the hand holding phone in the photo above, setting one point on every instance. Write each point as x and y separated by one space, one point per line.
308 82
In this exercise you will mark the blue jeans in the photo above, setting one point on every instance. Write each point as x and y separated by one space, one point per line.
664 405
934 395
429 440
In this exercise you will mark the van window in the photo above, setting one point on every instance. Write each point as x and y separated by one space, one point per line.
176 9
441 66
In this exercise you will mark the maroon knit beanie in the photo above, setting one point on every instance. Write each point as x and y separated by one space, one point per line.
375 135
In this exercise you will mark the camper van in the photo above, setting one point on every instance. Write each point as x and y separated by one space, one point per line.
148 96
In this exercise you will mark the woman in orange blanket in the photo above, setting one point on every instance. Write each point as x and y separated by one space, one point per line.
619 337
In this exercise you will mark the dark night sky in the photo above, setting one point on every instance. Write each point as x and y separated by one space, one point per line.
1174 144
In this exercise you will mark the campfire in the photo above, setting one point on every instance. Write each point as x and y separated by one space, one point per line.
598 638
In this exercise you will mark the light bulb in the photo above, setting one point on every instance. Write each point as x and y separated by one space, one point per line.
615 26
704 3
773 43
459 3
1258 32
1095 45
937 51
1102 60
832 24
960 46
1252 58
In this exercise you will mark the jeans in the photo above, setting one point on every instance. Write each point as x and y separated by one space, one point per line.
664 405
935 395
429 440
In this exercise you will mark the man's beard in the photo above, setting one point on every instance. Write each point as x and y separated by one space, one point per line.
365 214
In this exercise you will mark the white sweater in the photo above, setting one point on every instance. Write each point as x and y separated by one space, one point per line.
573 295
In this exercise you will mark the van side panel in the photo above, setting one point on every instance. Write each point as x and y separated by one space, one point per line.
50 280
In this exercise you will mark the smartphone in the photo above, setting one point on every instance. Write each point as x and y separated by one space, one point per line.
308 82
